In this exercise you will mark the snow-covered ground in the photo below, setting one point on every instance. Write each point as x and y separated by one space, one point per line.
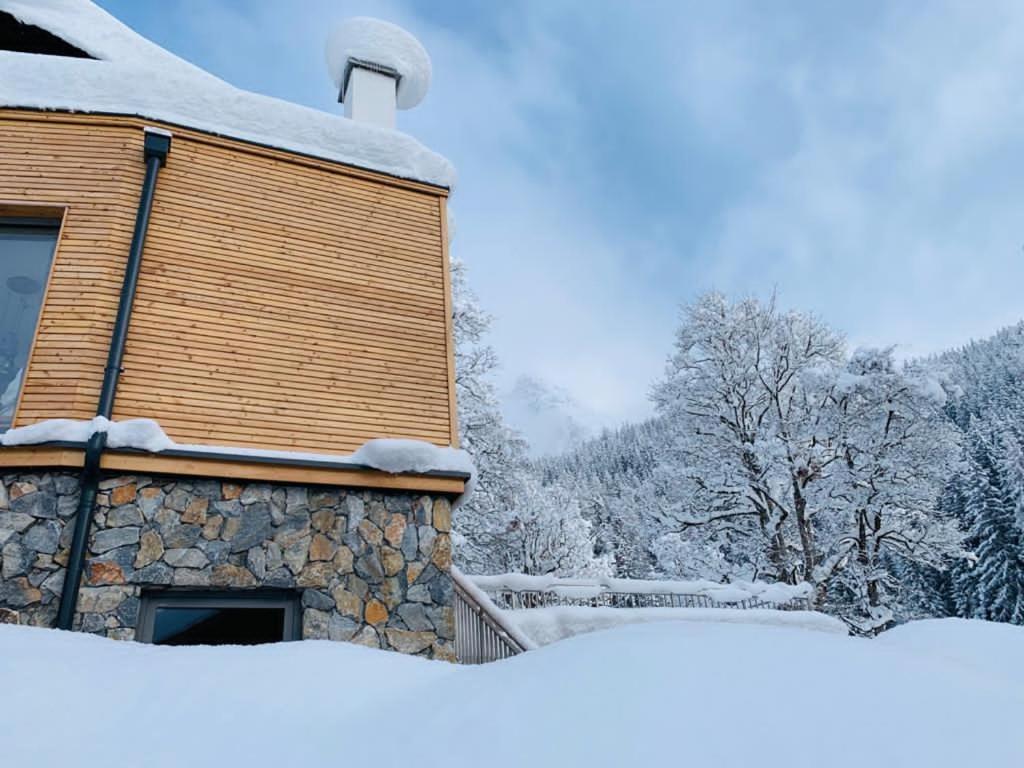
936 693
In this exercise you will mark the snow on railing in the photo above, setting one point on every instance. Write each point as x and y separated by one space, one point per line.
482 632
515 591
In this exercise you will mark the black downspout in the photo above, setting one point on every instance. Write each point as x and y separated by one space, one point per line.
156 147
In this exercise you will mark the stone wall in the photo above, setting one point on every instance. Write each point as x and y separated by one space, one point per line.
372 567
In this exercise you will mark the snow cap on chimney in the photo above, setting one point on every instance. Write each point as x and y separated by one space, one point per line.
377 67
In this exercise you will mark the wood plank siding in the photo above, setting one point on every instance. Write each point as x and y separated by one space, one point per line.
284 302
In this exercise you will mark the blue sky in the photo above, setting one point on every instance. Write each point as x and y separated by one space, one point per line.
616 159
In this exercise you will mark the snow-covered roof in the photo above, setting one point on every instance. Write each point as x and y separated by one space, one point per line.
129 75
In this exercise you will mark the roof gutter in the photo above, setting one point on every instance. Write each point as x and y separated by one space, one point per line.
156 147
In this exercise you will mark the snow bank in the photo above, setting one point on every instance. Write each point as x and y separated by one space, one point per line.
379 42
972 647
709 695
548 625
133 76
733 592
393 455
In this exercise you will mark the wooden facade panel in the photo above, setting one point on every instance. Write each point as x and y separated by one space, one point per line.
94 174
283 302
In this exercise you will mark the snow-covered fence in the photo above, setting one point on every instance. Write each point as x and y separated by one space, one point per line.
516 591
482 632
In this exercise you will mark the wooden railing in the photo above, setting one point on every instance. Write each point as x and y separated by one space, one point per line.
482 634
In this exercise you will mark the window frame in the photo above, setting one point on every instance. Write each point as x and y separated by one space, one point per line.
42 222
152 600
41 216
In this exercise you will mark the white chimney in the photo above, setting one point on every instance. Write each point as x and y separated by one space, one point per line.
370 94
378 68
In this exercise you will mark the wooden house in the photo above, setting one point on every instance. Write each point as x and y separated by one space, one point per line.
268 284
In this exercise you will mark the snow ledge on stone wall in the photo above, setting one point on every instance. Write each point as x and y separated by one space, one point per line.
392 455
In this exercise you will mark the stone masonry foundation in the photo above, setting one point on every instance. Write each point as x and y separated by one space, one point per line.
372 567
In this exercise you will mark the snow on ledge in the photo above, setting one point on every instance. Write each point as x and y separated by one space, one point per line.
582 589
392 455
548 625
397 455
144 434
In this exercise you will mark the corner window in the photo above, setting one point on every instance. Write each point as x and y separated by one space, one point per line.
26 251
218 618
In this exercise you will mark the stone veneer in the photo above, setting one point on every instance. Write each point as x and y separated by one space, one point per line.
372 567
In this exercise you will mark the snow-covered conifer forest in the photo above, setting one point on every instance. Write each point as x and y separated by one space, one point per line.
894 487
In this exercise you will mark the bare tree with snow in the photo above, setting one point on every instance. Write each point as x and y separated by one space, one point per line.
897 451
743 392
792 462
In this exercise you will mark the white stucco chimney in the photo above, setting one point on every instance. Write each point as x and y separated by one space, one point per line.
370 93
378 69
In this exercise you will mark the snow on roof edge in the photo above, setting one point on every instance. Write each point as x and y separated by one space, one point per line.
305 152
134 77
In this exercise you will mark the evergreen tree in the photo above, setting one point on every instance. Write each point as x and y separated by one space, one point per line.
988 497
990 585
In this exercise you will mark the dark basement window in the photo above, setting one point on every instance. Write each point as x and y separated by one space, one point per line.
218 618
28 38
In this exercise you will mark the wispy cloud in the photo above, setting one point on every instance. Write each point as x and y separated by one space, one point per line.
616 159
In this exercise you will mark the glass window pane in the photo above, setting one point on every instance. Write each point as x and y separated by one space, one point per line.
25 255
218 626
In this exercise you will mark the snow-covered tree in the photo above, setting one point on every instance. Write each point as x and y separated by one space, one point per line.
511 522
743 396
498 452
897 451
547 533
990 583
612 478
987 495
797 463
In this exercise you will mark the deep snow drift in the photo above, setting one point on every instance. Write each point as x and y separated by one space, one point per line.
936 693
